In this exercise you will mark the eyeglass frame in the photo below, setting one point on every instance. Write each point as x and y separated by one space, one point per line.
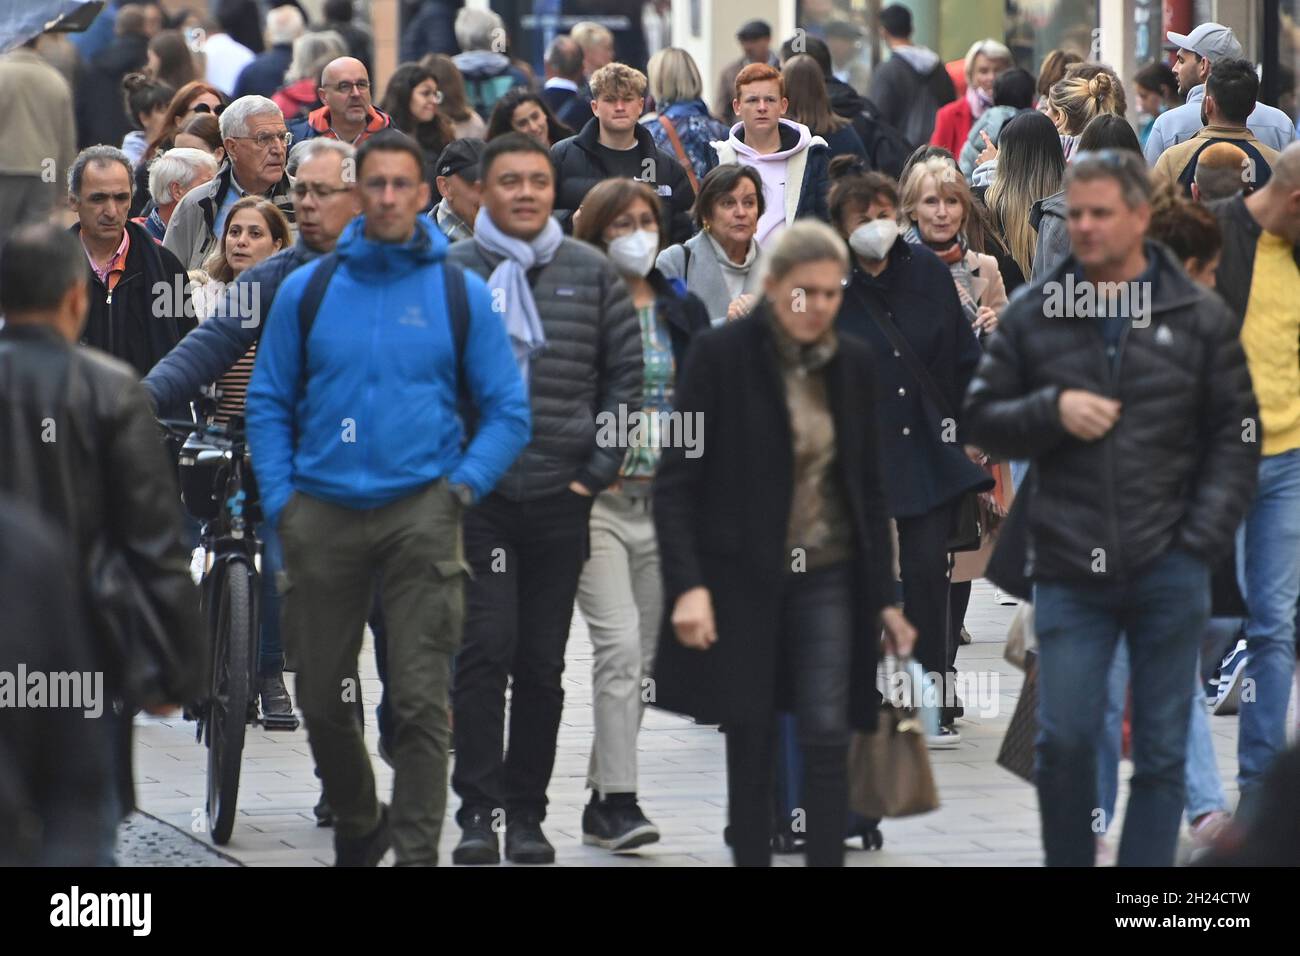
286 138
361 86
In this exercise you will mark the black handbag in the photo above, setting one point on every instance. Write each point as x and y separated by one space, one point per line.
967 528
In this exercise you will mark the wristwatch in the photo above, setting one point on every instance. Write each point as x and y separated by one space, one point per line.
464 493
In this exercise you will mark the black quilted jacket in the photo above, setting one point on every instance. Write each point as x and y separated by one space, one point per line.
591 363
1178 470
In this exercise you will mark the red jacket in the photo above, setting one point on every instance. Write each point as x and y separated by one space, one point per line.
297 99
952 125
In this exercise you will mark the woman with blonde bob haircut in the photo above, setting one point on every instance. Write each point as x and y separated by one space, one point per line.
775 546
936 206
984 61
682 126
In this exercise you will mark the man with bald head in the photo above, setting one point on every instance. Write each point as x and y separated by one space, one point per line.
1259 278
348 114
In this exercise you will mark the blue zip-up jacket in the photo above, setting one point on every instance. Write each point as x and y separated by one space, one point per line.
377 419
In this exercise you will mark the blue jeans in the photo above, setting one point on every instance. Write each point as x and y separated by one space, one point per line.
1162 610
271 657
1204 789
1268 571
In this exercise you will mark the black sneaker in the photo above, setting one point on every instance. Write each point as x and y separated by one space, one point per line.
324 812
478 841
617 825
366 850
277 705
525 841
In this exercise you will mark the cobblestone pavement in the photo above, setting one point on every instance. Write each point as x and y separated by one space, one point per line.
988 817
143 840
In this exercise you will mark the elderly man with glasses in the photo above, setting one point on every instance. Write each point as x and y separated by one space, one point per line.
257 146
348 113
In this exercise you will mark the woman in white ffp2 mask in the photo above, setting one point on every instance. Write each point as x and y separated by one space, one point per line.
620 592
902 300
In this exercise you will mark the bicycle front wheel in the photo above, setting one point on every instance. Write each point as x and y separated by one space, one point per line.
231 692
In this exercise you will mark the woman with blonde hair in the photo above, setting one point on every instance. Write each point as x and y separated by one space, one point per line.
1030 167
984 61
1088 90
682 126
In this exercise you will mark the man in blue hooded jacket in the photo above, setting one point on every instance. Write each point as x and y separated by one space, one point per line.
358 447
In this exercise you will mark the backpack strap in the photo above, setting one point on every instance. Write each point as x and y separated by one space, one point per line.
680 150
1263 172
312 297
458 308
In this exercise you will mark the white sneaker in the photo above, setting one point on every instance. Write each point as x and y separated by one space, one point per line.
946 739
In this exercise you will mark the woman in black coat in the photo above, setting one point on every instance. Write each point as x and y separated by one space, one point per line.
774 536
620 592
927 470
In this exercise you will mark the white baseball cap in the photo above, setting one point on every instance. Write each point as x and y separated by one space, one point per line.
1213 41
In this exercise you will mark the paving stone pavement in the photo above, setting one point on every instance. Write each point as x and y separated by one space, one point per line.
988 816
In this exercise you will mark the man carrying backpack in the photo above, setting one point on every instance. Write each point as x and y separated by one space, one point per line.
353 422
913 83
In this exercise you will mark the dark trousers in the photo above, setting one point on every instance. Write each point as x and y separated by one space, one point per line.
332 555
816 647
526 557
923 565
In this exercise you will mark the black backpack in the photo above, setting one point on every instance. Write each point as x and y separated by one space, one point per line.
887 148
1263 171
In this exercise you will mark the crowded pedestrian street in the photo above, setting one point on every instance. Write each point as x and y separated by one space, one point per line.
586 434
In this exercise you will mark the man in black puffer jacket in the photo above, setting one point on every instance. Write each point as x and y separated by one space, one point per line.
578 342
1125 384
614 144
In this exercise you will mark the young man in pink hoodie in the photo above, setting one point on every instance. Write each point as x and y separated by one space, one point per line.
790 159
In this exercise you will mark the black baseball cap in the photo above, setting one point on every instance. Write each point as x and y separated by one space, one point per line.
461 158
754 30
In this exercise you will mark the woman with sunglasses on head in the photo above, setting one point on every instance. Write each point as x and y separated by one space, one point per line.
520 110
455 102
620 592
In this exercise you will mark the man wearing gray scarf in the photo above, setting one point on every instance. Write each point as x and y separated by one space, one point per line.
577 340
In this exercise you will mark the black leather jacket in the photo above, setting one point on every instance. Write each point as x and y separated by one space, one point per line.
81 446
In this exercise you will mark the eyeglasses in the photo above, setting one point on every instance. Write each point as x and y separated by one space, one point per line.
300 190
265 138
378 186
345 88
205 108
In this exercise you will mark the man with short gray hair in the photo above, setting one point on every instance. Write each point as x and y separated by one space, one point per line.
1124 383
565 90
171 176
127 318
257 143
486 68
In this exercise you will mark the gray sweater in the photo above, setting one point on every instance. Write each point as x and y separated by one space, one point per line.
703 274
591 363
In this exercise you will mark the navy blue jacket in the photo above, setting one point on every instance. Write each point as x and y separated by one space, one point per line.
265 72
213 346
922 470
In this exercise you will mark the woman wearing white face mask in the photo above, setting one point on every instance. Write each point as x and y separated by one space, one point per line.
620 593
901 298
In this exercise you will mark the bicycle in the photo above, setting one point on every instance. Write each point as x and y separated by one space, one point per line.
218 490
